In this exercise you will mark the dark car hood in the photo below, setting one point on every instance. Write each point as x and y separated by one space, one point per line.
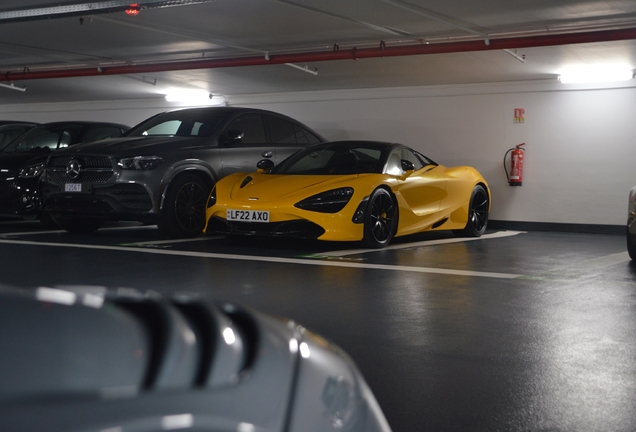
136 145
13 161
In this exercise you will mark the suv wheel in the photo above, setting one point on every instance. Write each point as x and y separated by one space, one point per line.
184 208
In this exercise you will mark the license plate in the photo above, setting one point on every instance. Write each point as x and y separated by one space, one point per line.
248 216
72 187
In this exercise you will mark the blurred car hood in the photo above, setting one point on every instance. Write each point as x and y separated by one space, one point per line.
87 358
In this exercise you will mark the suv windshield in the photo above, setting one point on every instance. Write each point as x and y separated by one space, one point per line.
182 123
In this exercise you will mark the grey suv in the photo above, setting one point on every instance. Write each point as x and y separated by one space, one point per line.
163 170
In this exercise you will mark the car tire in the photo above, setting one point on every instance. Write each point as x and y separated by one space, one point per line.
78 225
184 207
380 220
477 214
631 245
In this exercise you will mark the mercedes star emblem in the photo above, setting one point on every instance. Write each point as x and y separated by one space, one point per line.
73 168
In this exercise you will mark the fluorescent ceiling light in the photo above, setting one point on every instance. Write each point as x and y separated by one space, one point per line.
596 74
12 87
194 97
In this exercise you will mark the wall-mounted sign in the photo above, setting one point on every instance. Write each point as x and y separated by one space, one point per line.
520 115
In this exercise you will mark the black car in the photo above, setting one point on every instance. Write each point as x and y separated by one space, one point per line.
11 130
163 170
22 161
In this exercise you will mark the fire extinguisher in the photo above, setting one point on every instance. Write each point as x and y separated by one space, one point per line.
516 165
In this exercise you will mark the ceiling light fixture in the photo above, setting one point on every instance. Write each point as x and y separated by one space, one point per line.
13 87
194 97
304 69
596 74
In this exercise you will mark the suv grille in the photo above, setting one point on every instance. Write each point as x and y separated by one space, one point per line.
96 169
86 176
88 161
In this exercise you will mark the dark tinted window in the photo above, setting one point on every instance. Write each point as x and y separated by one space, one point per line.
303 136
281 131
334 158
180 123
412 157
252 127
101 132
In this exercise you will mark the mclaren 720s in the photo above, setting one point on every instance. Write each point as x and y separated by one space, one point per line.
350 191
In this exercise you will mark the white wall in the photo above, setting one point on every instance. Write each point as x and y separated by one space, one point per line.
581 143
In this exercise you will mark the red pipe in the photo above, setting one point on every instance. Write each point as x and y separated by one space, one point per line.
347 54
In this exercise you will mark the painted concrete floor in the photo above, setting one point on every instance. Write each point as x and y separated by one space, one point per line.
515 331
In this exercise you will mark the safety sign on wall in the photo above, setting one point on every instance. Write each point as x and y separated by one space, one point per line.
520 115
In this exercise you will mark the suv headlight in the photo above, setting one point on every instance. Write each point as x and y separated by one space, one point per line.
327 202
31 171
144 163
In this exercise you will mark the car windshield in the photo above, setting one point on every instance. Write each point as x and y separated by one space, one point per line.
185 123
335 158
45 138
9 133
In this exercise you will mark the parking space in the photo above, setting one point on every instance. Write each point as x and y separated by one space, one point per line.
511 331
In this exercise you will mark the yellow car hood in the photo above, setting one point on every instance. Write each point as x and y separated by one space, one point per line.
275 187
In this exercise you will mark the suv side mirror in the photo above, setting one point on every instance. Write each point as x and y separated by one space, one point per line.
264 165
232 137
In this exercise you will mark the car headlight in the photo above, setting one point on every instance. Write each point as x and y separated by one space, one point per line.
327 202
144 163
31 171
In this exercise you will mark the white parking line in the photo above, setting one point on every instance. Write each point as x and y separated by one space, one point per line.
173 241
132 227
301 261
347 252
587 268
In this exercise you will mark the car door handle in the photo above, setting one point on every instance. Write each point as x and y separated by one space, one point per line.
267 154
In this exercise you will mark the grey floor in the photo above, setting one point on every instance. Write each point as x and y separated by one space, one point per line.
516 331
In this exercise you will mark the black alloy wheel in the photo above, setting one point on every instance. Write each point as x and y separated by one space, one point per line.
75 225
477 214
631 245
184 208
380 219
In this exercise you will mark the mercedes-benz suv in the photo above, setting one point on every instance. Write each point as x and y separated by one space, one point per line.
163 169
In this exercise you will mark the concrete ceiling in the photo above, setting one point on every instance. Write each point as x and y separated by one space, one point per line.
45 38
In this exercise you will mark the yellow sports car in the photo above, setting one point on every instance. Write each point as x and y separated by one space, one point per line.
350 191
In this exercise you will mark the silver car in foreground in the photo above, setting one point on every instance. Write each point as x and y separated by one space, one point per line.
84 359
163 169
631 224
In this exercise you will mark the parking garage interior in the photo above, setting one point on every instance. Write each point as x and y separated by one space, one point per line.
528 327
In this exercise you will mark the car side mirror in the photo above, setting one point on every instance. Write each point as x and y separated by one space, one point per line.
407 165
264 165
232 137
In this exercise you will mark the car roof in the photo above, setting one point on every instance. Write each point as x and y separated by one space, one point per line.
83 123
